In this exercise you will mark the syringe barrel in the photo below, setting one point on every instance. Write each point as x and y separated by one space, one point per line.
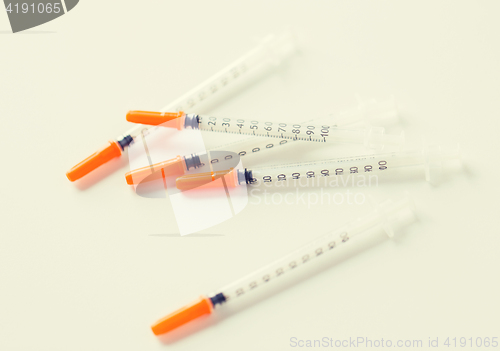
344 166
385 215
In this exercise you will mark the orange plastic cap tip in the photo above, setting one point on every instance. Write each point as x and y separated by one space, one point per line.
152 118
94 161
183 315
129 178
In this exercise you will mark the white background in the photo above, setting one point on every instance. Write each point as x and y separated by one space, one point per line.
90 266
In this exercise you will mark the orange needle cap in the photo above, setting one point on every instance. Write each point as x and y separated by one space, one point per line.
152 118
94 161
183 315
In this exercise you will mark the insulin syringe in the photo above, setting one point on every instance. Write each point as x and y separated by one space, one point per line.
431 158
271 51
322 133
387 216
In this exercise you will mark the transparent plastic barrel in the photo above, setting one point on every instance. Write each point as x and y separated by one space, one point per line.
321 133
366 164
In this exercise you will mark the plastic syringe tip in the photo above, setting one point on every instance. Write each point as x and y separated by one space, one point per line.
438 157
396 213
94 161
183 315
151 117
